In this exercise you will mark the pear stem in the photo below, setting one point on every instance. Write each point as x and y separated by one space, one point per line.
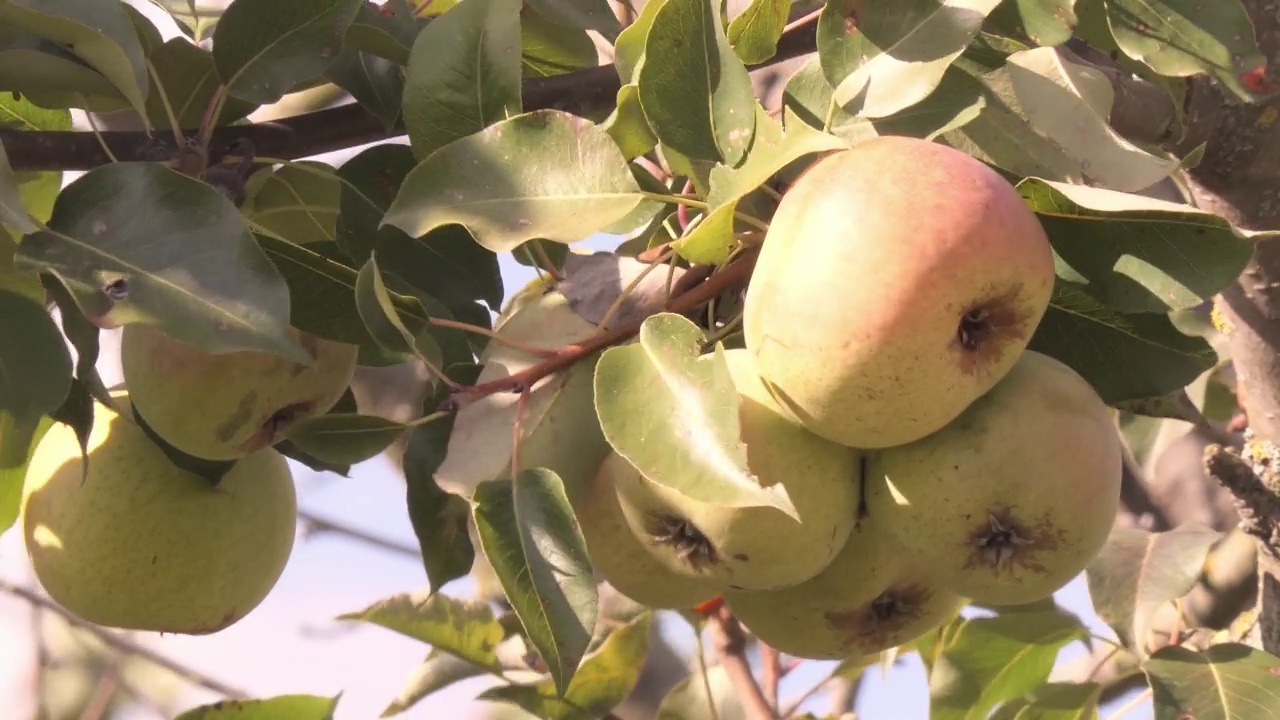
121 643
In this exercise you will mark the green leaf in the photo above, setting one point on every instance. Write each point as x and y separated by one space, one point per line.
1181 38
1138 571
35 373
464 74
463 628
1138 254
440 519
437 672
1123 356
12 211
298 202
1070 103
447 262
43 72
345 438
322 298
754 33
375 82
693 88
673 414
294 707
11 480
584 14
263 48
188 79
531 538
386 30
883 59
1048 22
386 325
958 99
629 48
1002 136
548 49
627 124
37 193
605 678
139 242
100 34
1229 681
711 240
988 660
545 174
21 113
1054 701
557 420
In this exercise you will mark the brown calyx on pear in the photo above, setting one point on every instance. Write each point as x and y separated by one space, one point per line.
617 553
761 546
223 406
872 597
899 280
1015 496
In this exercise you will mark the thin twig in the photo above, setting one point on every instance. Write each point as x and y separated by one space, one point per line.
105 691
731 643
492 335
770 673
123 644
732 275
314 525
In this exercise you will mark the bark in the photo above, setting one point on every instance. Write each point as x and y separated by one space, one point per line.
1239 177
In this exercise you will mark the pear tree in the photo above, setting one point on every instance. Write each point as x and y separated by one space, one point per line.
857 332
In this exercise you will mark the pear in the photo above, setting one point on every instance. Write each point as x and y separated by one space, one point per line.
617 554
223 406
142 544
1016 495
753 547
899 280
872 597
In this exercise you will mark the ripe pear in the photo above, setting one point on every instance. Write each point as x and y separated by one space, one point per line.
754 547
223 406
1016 495
898 281
617 555
872 597
142 544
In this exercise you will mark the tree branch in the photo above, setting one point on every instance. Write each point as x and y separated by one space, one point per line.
731 643
734 274
315 525
123 644
585 93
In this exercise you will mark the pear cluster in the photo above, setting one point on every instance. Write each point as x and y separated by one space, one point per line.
886 384
128 534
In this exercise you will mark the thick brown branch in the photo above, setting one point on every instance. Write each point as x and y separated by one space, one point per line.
123 644
587 93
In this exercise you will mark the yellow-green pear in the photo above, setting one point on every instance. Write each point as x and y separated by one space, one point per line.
223 406
754 547
617 555
899 280
1015 496
142 544
872 597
